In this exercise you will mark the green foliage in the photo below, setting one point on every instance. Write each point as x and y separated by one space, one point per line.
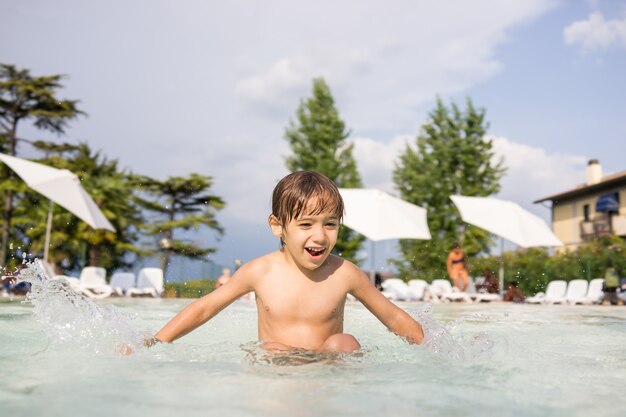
451 156
178 203
533 268
318 140
189 289
24 97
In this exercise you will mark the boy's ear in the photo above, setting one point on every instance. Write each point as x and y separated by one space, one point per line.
277 228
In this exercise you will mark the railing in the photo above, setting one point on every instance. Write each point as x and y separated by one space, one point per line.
602 226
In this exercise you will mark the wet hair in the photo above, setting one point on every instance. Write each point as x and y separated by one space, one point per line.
305 193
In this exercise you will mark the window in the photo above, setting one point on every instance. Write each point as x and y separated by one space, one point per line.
608 203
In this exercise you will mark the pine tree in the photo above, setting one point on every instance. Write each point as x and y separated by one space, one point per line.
318 140
452 156
24 97
179 203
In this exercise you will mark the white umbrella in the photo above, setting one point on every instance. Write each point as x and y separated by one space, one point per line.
59 186
380 216
507 220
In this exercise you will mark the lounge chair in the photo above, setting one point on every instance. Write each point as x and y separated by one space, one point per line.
555 294
121 282
418 288
396 289
577 291
92 282
149 282
442 290
595 294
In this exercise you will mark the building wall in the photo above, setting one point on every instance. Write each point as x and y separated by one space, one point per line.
567 216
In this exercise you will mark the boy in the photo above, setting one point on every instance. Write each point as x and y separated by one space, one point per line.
300 289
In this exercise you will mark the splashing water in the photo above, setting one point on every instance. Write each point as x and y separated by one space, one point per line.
68 317
440 338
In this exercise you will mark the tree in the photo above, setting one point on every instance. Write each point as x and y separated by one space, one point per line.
73 240
452 156
318 141
24 97
180 203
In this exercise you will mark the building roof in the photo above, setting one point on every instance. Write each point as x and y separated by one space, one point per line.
606 183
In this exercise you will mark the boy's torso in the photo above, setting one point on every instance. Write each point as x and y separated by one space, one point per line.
298 311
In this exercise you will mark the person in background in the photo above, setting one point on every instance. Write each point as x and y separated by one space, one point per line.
514 294
223 279
378 281
611 285
491 284
457 267
621 291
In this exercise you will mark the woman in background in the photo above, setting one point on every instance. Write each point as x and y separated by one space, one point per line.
457 267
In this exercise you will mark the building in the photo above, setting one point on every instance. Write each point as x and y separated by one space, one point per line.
595 208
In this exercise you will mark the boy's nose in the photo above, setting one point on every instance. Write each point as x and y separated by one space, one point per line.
319 235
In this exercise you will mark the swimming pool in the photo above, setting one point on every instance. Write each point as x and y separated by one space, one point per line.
481 360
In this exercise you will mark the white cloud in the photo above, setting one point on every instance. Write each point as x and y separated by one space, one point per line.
376 160
277 91
532 173
596 33
380 70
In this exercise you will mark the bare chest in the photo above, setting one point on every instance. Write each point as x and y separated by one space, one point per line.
315 303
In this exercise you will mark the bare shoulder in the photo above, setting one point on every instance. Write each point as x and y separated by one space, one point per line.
256 267
349 271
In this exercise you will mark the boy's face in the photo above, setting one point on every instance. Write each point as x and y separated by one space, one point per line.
309 239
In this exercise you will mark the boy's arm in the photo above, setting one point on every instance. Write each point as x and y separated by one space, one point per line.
202 310
392 316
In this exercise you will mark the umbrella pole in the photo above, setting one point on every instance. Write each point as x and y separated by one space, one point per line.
46 246
373 263
501 268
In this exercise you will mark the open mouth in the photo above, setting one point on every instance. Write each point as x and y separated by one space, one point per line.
315 252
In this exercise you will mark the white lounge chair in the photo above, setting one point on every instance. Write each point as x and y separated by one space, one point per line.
92 282
594 291
442 289
149 282
121 282
396 289
417 287
555 294
577 291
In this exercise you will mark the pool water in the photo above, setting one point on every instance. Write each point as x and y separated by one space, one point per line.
59 359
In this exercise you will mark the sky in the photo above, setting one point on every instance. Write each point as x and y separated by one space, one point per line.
172 88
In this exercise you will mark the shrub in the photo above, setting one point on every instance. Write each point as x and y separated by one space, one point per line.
189 289
533 268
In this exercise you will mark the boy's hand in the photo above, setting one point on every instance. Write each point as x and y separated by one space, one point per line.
151 342
127 350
